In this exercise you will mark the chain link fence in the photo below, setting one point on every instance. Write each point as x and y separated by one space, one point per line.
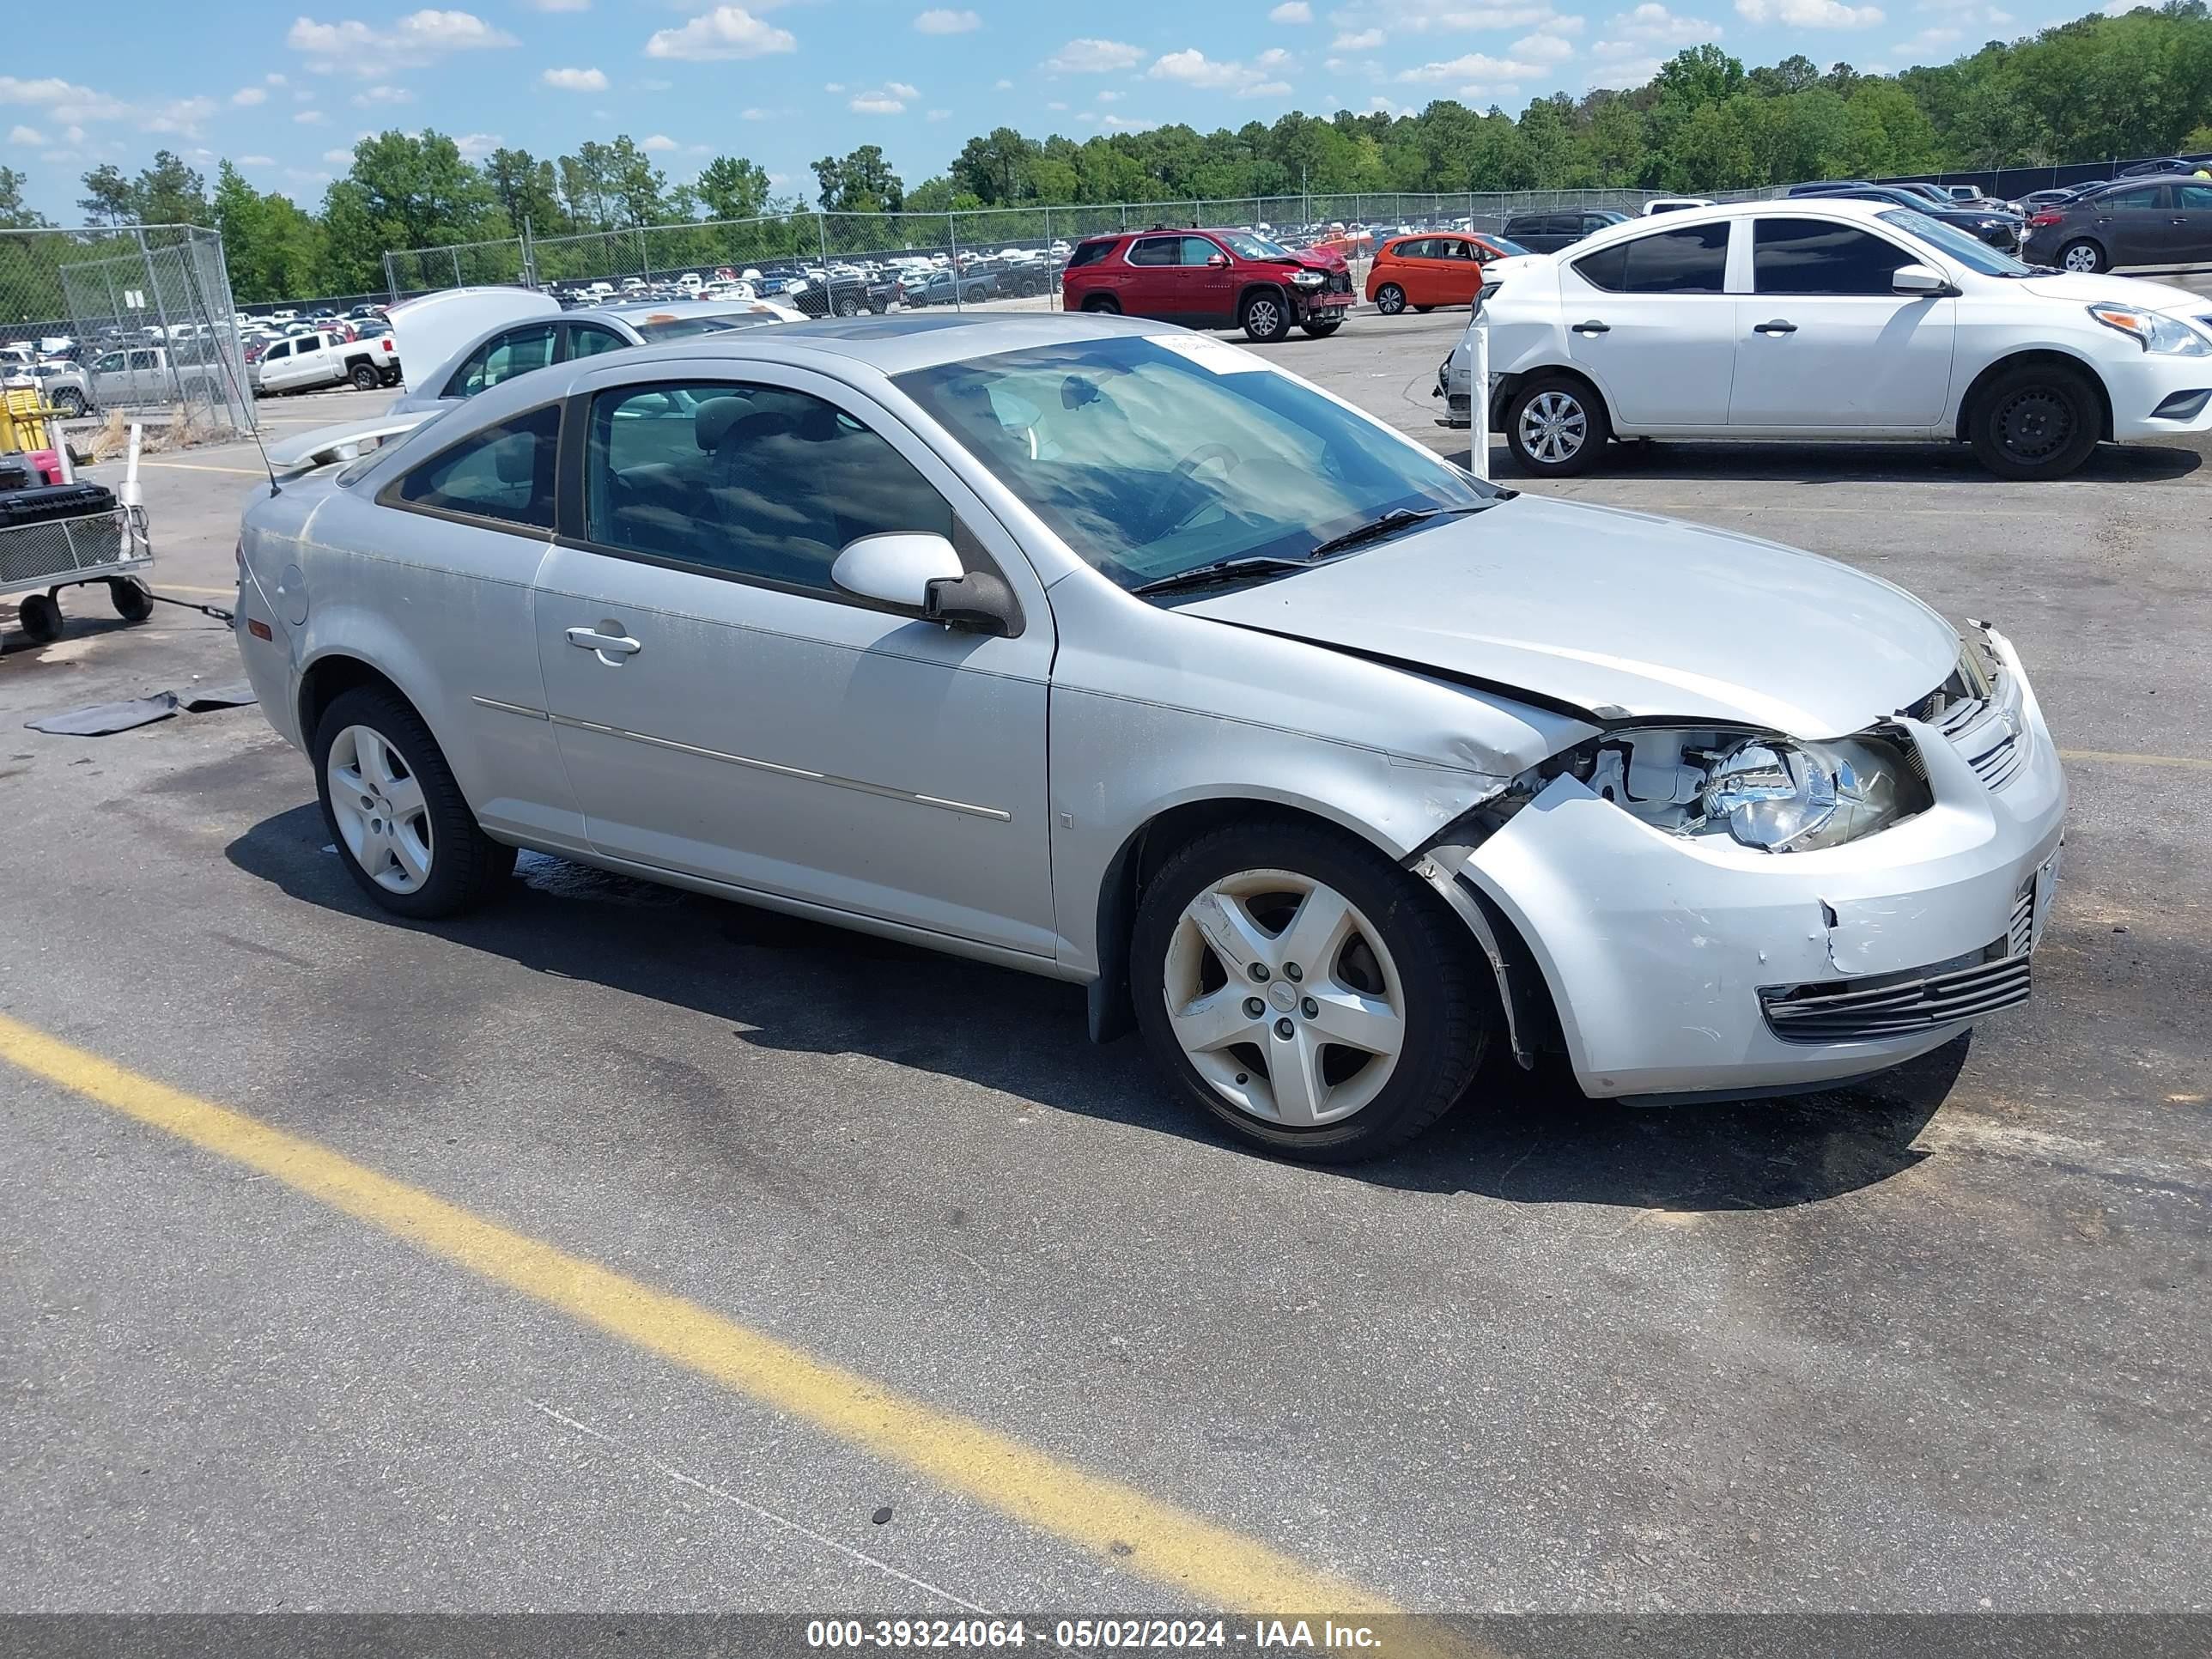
137 319
846 260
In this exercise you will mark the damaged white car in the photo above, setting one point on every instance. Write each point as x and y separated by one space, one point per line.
1112 652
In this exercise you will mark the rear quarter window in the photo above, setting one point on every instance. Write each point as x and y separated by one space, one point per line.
1090 253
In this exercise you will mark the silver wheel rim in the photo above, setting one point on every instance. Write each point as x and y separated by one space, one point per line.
381 815
1263 316
1391 301
1553 427
2081 259
1331 1022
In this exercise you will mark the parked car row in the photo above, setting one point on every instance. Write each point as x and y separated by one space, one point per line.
1827 317
1209 279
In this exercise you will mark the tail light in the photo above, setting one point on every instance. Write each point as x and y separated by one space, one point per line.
2045 217
388 346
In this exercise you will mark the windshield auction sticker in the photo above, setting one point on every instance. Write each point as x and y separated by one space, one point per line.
1219 356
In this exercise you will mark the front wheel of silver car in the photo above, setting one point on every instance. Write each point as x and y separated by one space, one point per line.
1556 427
395 812
1305 992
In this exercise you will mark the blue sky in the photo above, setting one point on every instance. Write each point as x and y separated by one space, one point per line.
284 92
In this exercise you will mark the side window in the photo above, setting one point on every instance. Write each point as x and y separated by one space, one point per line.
1691 260
504 473
584 340
1817 256
1090 253
756 482
1419 248
1607 268
145 360
278 348
111 364
1197 250
2193 198
1451 247
502 358
1155 250
2128 198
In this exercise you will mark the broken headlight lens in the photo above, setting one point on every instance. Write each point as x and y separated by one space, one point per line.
1761 789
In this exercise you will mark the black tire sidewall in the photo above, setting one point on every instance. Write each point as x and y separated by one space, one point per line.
1447 1023
131 602
466 864
363 378
39 616
1594 442
1982 429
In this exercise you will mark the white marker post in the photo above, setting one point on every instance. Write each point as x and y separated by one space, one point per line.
1478 399
130 495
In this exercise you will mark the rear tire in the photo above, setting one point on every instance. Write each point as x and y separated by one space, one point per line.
1390 299
2084 258
363 376
40 615
848 307
1265 318
1556 427
69 401
461 867
1439 1011
1323 330
2035 422
1425 310
1105 305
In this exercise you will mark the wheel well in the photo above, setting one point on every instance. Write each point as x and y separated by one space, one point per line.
330 677
1140 859
1251 289
2058 360
1505 387
1101 302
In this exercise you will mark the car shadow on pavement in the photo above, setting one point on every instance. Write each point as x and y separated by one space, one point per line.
781 983
1863 462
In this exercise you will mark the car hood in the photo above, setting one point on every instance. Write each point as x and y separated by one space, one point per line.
2085 289
1620 615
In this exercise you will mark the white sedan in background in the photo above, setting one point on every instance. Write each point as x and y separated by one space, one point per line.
1820 319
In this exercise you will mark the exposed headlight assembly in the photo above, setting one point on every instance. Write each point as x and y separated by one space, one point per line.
2153 331
1761 789
1308 279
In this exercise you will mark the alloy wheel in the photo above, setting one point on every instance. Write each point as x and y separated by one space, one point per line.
380 809
1263 317
1554 427
1391 299
2081 256
1284 997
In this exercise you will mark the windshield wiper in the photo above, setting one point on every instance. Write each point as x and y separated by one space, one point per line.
1221 571
1391 522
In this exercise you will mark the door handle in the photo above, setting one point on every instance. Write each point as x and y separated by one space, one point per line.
1593 326
1777 327
611 649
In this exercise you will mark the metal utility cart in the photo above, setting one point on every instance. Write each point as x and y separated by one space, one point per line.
40 558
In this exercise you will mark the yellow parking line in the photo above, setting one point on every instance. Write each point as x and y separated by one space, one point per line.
2186 761
1212 1565
201 466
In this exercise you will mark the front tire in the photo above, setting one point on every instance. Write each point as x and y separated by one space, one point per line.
1371 1019
848 307
2083 258
70 402
2035 422
1390 299
1556 427
1265 318
1323 330
401 827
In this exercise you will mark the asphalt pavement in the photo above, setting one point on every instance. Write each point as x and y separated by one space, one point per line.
637 1251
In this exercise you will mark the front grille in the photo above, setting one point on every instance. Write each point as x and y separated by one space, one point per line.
1339 282
1995 765
1899 1008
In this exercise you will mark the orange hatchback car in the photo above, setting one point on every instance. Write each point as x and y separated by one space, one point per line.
1428 271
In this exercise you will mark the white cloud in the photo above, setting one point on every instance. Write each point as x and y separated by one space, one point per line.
1057 105
832 86
1653 24
1929 40
937 115
1291 11
309 118
876 103
274 80
1442 16
900 89
1540 48
1110 97
1364 40
562 5
426 33
378 96
29 135
478 145
246 97
338 157
1090 57
659 143
1474 66
942 20
1002 85
257 161
68 102
576 80
724 31
1810 14
1193 67
1625 72
757 115
1128 124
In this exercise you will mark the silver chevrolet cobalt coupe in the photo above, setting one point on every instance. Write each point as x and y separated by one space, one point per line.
1111 652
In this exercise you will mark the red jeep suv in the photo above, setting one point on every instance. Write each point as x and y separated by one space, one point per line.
1209 279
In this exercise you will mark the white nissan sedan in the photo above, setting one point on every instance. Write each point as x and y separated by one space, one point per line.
1814 318
1113 652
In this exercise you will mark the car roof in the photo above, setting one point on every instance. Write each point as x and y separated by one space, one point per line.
1791 207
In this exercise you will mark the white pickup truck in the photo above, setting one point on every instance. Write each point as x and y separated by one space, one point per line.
307 361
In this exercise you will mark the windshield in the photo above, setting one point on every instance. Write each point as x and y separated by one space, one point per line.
1257 247
651 329
1151 455
1968 250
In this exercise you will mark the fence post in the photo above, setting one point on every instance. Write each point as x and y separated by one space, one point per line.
952 236
822 228
391 279
529 256
456 251
1051 294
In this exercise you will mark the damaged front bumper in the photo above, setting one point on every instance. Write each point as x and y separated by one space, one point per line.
1680 966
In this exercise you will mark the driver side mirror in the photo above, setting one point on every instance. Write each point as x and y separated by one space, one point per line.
1217 261
1919 279
920 574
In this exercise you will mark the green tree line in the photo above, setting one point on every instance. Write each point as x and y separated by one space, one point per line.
2099 86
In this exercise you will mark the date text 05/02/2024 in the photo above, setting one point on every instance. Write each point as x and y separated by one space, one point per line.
1113 1635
